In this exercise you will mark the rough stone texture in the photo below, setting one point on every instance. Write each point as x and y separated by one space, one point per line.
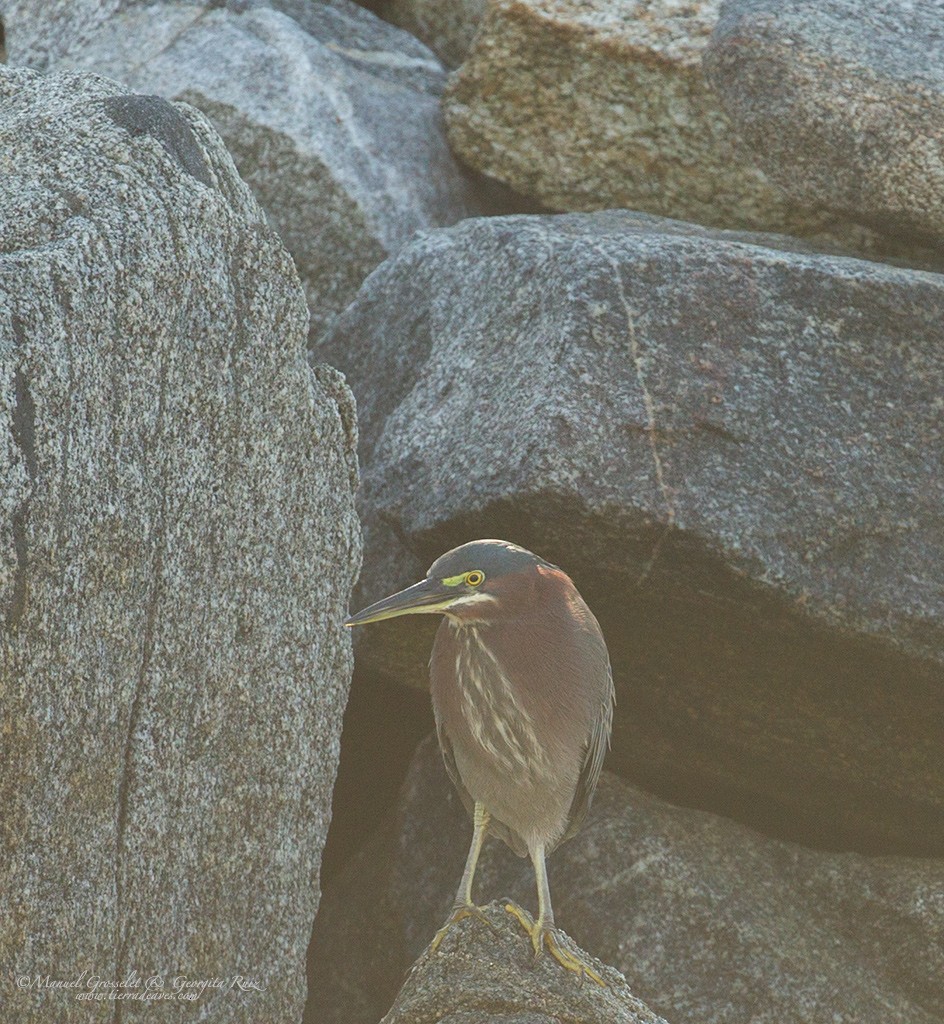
710 922
736 453
447 29
177 546
481 977
841 103
331 115
37 34
589 104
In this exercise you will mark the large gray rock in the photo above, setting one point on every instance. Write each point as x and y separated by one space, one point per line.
331 116
735 450
710 922
177 546
590 104
841 103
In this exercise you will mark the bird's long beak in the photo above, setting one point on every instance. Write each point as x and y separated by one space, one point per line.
428 596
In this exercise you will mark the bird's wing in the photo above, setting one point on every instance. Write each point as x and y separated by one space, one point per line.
597 746
452 769
495 827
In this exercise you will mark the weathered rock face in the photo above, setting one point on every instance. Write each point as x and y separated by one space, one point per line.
448 30
709 921
841 104
177 546
590 105
331 115
736 453
38 34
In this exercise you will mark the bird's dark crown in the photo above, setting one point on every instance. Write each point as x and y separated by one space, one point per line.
492 557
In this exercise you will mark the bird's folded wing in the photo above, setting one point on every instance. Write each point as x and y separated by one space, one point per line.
597 746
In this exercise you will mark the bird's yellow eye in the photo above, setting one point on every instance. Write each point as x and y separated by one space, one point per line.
474 578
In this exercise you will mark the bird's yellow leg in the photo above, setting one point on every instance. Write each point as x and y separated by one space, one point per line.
542 931
464 906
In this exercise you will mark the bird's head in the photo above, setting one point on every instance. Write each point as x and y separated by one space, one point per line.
470 581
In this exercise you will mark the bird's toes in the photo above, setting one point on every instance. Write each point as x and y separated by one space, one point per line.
471 910
570 961
459 913
523 917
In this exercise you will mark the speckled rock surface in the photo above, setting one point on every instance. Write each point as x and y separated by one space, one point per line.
482 977
710 922
38 34
447 29
734 450
841 103
331 116
177 546
590 104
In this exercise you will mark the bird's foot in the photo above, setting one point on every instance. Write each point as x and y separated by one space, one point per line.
459 913
568 960
542 936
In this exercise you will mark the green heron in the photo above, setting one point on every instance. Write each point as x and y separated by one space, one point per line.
523 698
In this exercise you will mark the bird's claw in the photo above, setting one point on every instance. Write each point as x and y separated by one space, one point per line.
459 913
570 961
523 917
542 936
